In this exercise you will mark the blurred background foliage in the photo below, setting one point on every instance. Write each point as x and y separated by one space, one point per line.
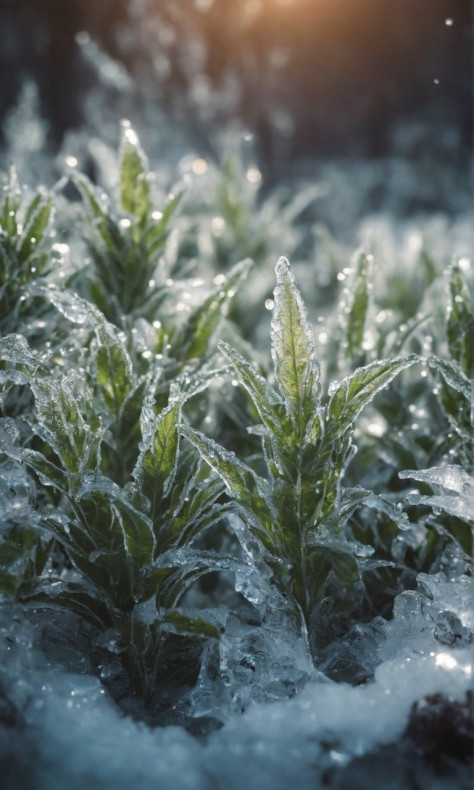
310 78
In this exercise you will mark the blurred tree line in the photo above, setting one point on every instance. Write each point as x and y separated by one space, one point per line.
310 77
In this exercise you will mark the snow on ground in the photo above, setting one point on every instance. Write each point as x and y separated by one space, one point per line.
72 735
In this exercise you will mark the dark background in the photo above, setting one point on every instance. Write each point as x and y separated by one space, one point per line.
311 78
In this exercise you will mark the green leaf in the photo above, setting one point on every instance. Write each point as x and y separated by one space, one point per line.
138 532
203 322
240 479
15 350
109 514
460 322
349 396
36 223
96 205
197 509
340 558
156 465
68 596
114 368
353 498
9 582
48 473
157 232
452 375
293 351
184 624
266 400
134 185
357 315
11 202
62 425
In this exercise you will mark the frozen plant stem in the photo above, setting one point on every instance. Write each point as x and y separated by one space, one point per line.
298 511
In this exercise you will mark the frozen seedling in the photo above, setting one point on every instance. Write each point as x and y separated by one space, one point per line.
454 370
24 256
129 545
125 242
129 279
298 511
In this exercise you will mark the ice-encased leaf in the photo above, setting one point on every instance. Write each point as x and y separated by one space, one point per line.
111 510
48 473
200 561
452 375
175 570
134 185
293 350
353 498
459 325
62 425
79 599
458 497
339 556
197 508
264 397
36 223
9 432
74 308
114 367
156 465
357 315
239 478
349 396
96 205
15 350
203 322
12 378
180 622
157 232
452 477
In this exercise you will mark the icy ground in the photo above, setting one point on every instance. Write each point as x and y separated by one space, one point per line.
62 730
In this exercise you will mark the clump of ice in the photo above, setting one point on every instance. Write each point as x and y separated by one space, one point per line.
454 487
74 734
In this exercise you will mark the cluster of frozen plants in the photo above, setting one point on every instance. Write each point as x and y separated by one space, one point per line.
212 529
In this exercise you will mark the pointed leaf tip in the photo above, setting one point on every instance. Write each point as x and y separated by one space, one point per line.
293 350
282 266
134 185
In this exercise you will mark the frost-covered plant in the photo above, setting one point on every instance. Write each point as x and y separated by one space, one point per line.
298 511
405 413
130 279
452 454
125 243
125 542
25 255
105 511
23 551
454 370
230 218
